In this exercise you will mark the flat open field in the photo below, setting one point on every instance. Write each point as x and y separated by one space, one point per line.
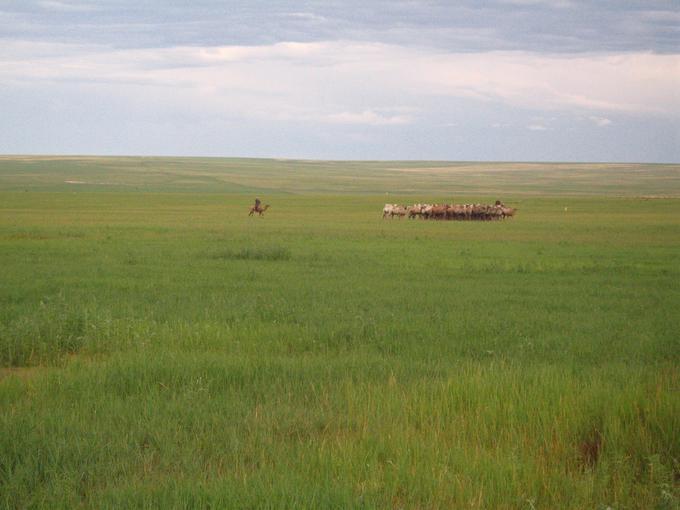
421 178
162 349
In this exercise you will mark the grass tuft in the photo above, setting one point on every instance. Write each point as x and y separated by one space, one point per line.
270 252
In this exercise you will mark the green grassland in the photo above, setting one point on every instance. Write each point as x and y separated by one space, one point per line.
163 349
234 175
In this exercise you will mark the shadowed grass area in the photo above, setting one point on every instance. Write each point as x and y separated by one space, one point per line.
167 350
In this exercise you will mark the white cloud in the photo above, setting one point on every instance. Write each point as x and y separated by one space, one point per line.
600 121
368 117
306 16
558 4
56 5
350 82
537 127
639 82
667 16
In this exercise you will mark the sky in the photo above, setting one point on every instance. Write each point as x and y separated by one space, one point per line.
501 80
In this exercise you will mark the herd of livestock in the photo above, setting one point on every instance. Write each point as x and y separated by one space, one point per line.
498 211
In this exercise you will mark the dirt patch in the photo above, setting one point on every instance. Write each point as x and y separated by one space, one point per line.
590 449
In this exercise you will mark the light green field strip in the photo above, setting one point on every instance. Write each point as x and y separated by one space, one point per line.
318 177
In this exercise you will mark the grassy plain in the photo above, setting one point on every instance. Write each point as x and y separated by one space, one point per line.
162 349
236 175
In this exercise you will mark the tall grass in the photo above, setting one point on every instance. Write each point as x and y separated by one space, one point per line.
176 353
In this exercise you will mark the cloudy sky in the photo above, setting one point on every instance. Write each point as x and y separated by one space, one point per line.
530 80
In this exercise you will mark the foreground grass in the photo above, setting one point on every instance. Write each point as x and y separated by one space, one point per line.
166 350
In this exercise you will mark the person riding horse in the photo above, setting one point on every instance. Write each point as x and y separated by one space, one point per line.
257 205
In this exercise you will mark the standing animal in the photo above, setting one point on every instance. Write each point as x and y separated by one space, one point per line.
393 210
387 210
399 211
455 212
415 210
484 212
496 212
258 209
439 212
508 211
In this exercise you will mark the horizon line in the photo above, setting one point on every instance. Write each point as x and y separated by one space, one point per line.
353 160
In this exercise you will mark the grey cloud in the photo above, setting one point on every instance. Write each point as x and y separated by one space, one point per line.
64 6
391 79
528 25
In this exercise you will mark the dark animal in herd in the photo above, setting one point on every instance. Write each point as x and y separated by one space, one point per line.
498 211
